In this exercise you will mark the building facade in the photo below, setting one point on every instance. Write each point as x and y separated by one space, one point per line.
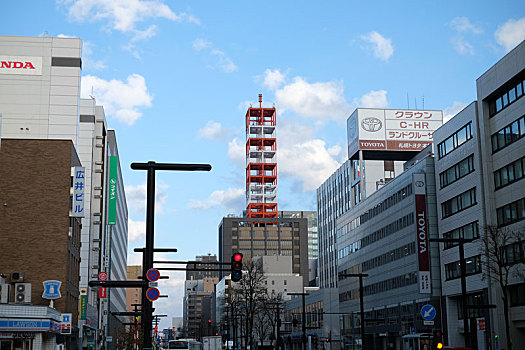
386 237
199 275
39 240
267 236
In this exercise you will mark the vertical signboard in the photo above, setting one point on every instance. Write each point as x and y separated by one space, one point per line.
112 204
102 292
83 304
422 234
79 182
65 323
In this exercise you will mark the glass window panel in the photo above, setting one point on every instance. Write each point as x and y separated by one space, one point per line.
512 95
513 211
494 143
498 105
521 211
504 177
497 179
506 214
463 168
519 90
515 131
522 126
492 107
449 145
501 138
454 205
508 134
510 171
462 136
505 100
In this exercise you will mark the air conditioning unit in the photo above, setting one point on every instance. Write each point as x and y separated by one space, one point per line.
5 293
17 277
22 292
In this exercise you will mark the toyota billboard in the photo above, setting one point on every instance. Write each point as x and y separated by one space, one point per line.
391 130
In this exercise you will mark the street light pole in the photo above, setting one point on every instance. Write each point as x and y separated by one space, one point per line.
303 326
147 257
361 302
463 273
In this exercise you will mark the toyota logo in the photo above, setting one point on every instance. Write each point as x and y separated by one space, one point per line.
371 124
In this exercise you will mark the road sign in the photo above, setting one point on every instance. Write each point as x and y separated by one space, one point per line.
153 284
153 275
428 323
428 312
109 338
152 294
103 276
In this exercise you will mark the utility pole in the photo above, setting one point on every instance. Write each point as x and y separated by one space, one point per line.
361 302
147 257
303 322
463 273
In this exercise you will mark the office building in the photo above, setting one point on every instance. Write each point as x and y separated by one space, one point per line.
267 236
386 236
194 292
133 295
40 241
199 275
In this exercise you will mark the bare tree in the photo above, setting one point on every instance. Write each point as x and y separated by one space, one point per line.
501 265
247 295
265 319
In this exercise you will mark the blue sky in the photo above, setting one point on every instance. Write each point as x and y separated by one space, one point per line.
176 77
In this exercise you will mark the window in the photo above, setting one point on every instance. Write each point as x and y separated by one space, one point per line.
514 253
472 267
508 135
457 171
517 294
511 212
510 93
469 231
461 202
509 173
472 299
455 140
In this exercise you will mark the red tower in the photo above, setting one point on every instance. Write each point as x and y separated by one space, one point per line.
261 163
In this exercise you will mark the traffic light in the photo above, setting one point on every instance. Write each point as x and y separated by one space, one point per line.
236 267
209 322
438 339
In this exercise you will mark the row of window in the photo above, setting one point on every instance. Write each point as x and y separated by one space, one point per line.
457 171
393 255
510 173
461 202
387 203
469 231
513 92
455 140
511 212
392 283
472 267
383 232
514 253
509 134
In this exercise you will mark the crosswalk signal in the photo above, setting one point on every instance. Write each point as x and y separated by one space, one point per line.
236 267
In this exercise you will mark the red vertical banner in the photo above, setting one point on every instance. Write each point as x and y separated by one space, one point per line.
421 219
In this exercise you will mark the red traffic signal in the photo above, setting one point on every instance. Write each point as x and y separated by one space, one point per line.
236 268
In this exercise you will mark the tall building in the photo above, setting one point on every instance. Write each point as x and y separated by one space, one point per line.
261 162
267 236
386 236
194 292
311 216
199 275
39 241
133 295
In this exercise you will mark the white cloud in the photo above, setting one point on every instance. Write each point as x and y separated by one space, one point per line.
123 15
461 45
147 33
463 24
373 99
233 199
310 162
511 33
451 111
136 230
120 99
65 36
237 151
322 100
224 63
136 198
87 62
200 44
381 46
272 79
214 131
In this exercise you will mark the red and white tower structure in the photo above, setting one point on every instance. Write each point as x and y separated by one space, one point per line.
261 162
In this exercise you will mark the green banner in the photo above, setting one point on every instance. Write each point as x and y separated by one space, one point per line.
112 203
83 307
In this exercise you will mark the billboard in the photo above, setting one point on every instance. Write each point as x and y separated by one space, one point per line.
24 65
391 129
422 245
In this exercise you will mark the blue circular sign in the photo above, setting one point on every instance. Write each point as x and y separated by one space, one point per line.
153 275
428 312
152 294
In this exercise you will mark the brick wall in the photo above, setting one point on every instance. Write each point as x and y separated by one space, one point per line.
35 181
